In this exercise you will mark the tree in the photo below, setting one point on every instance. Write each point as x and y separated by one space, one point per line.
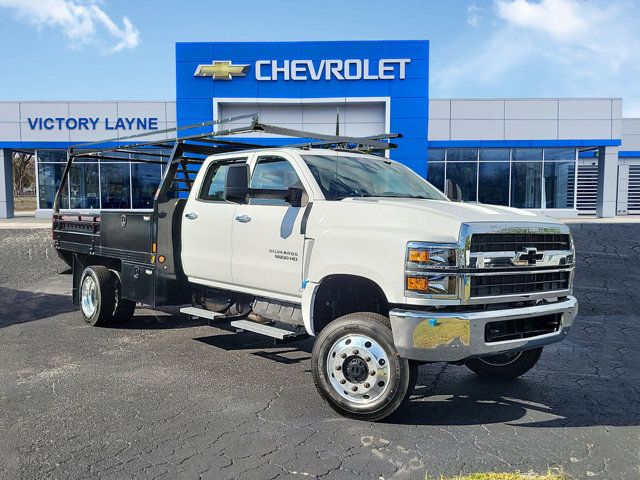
24 173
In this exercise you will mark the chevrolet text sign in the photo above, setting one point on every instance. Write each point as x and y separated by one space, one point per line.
302 70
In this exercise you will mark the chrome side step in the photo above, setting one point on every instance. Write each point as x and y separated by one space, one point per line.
196 312
267 330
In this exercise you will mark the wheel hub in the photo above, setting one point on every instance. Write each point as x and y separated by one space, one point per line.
355 369
88 296
358 368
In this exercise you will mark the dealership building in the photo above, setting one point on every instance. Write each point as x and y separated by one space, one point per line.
561 156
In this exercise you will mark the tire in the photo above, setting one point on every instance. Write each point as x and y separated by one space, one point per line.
505 366
97 296
123 308
348 353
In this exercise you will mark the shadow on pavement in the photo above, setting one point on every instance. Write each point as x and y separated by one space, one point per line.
19 306
158 320
470 400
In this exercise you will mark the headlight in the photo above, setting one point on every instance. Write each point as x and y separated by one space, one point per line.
431 255
431 284
431 269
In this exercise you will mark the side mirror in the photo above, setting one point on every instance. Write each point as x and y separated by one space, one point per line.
454 193
295 196
236 183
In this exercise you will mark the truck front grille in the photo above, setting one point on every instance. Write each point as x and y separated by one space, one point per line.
521 328
519 283
516 242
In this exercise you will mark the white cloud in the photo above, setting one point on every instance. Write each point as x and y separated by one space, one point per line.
550 48
474 15
83 22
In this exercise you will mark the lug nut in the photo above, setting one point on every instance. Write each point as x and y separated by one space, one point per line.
354 389
372 373
366 385
338 367
368 359
355 351
344 355
343 381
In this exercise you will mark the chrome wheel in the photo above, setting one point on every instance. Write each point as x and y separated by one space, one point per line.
88 296
502 359
358 368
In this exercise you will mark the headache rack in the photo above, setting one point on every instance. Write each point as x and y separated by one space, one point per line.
183 154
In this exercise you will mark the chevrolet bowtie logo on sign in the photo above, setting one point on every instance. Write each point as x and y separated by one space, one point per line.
221 70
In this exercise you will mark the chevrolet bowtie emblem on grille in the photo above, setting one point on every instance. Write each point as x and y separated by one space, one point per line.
529 255
221 70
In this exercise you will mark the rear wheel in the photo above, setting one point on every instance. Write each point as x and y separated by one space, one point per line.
123 308
505 366
97 295
357 370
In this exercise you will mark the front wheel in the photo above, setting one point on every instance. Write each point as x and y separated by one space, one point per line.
505 366
357 370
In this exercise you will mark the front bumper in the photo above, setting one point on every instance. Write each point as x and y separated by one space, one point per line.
451 337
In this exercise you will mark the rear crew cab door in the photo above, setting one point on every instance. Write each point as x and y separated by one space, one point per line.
267 240
207 227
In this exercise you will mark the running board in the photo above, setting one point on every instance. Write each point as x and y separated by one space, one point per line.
267 330
196 312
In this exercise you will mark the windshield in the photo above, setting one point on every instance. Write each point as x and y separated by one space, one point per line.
341 176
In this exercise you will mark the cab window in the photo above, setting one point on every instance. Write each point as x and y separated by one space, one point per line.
212 189
273 173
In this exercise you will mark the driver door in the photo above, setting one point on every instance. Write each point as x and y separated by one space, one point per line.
267 243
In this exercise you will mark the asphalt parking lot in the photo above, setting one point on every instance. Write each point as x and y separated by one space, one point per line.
171 398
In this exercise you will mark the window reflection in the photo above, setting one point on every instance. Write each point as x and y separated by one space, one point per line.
145 178
435 174
83 183
526 190
494 183
116 189
559 184
49 177
463 178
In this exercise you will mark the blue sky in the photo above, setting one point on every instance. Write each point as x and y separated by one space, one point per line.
117 49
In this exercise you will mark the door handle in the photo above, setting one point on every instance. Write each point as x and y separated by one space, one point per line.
191 215
243 218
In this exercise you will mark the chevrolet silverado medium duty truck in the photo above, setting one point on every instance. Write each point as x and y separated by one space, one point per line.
323 239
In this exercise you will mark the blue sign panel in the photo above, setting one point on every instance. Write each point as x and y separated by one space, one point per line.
394 72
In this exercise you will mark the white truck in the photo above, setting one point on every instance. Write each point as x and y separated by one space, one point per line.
351 248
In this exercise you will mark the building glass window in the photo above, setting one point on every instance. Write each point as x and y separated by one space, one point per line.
436 154
462 155
493 185
553 154
559 184
526 154
494 154
49 178
463 180
526 184
145 178
49 156
84 186
435 174
115 180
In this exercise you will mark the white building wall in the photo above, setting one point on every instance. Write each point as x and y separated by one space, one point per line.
525 119
631 134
